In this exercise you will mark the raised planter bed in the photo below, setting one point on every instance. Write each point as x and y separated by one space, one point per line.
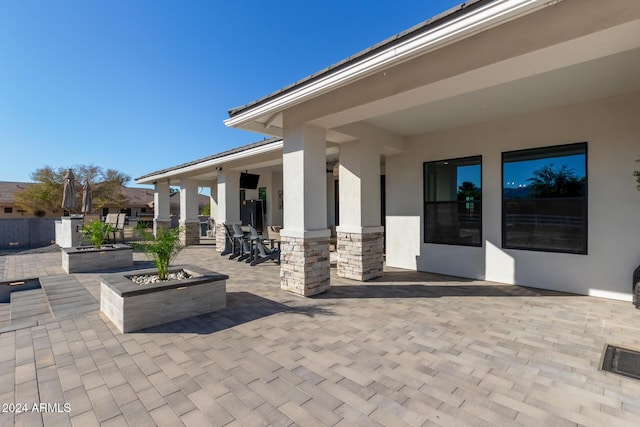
85 259
131 306
6 288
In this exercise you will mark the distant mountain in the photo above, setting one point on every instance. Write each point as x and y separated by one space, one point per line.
516 193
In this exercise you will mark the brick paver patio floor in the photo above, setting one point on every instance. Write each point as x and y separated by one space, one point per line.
408 349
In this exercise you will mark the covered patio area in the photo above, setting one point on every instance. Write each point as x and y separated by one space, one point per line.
461 114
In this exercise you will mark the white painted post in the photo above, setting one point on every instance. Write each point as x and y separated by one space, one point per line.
360 236
161 206
228 204
213 203
189 221
305 237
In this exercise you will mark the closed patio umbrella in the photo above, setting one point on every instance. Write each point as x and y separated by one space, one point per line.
87 202
69 191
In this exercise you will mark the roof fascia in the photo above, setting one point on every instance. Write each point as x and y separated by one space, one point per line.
276 145
474 22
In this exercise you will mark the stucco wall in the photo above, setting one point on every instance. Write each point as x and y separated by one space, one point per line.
612 130
276 210
16 213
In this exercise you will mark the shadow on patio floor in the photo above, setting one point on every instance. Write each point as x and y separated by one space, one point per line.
242 307
434 291
397 275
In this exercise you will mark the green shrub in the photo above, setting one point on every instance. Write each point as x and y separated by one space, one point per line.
162 249
141 226
98 232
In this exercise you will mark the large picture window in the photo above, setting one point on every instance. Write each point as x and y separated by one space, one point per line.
453 201
544 199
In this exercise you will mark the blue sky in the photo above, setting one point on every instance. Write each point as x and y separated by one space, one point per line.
143 85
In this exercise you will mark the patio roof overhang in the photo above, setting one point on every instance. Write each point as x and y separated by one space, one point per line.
496 59
262 154
259 154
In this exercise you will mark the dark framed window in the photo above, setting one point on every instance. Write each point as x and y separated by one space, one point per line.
8 210
453 201
544 199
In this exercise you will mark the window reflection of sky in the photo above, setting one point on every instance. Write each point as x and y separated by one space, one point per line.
469 173
516 174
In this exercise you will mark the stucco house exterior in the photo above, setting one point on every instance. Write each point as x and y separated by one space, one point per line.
138 201
8 207
506 133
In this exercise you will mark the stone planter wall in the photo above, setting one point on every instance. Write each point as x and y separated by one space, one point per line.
87 259
132 307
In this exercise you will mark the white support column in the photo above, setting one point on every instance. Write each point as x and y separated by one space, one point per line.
228 203
189 222
161 206
360 235
213 201
305 237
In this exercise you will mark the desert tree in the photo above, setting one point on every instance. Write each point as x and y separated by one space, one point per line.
551 181
45 195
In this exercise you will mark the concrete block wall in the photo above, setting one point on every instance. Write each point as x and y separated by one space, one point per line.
27 232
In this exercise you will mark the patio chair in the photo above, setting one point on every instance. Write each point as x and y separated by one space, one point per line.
262 253
242 246
236 241
122 218
253 237
229 247
112 220
273 235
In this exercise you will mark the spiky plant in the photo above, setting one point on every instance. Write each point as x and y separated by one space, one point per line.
98 232
162 249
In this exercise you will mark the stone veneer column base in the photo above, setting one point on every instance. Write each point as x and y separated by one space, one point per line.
360 255
190 233
304 268
160 223
221 237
